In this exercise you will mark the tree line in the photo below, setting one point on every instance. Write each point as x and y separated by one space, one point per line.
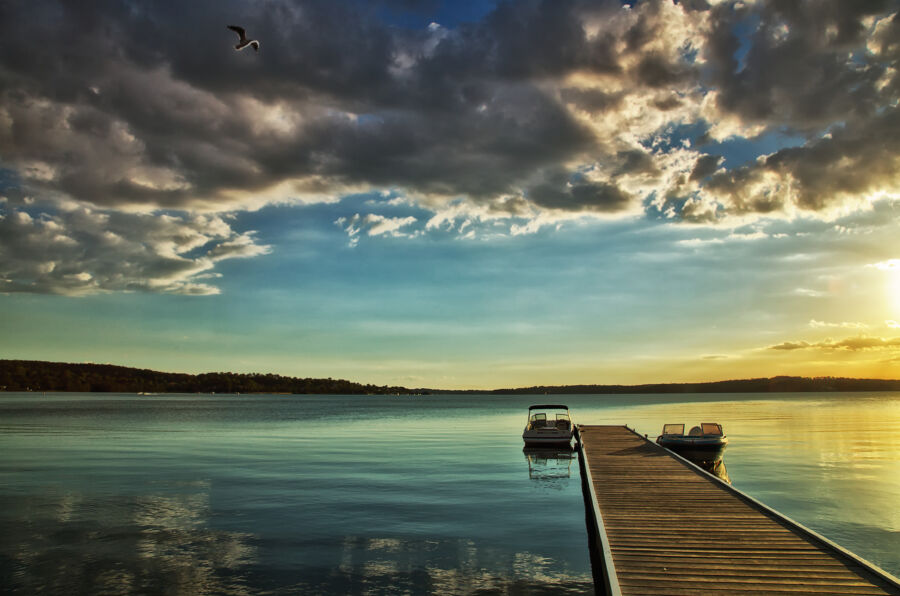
760 385
33 375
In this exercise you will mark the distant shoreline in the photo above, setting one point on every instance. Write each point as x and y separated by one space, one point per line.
38 376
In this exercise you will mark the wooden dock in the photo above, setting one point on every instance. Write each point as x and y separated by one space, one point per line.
664 526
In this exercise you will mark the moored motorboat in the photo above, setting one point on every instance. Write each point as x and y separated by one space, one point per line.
709 436
547 425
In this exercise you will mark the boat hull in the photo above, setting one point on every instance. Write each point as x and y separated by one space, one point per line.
711 444
533 439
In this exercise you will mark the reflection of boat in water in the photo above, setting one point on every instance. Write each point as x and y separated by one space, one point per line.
548 425
710 460
703 446
549 463
715 467
706 437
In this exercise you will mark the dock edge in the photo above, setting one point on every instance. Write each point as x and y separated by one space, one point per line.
610 580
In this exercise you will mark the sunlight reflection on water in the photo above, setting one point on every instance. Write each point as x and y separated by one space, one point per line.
829 461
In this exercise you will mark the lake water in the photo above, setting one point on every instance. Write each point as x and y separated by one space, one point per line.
109 494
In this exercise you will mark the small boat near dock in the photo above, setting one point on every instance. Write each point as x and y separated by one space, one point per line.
548 425
708 437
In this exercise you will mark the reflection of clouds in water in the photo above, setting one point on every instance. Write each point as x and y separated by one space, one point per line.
388 544
76 544
167 513
67 504
459 566
538 570
73 544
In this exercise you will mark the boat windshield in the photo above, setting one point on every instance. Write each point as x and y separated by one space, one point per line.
559 420
562 421
673 429
711 428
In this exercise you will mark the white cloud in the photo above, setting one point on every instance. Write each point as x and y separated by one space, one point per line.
809 293
732 237
889 265
375 225
844 325
89 251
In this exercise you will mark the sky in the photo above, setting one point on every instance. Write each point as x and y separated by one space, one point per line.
453 194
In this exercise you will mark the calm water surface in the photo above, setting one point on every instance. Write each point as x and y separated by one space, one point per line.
374 495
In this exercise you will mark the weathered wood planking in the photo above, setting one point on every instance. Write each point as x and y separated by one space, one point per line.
666 527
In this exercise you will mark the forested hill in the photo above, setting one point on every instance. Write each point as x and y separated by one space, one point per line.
33 375
762 385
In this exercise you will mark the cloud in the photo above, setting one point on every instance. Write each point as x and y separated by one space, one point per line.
821 70
135 114
557 193
705 166
731 237
843 325
804 65
809 293
852 344
146 117
889 265
89 251
828 175
374 225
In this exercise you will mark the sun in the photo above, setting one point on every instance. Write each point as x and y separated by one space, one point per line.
893 293
891 280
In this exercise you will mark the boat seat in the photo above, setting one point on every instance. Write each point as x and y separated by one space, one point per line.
696 432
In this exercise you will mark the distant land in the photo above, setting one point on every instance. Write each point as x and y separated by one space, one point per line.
36 375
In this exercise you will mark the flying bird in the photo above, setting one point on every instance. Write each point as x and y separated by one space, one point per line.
244 42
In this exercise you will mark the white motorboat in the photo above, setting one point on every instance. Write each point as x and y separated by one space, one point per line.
548 424
709 436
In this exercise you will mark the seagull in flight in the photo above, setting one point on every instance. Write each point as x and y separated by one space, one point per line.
244 42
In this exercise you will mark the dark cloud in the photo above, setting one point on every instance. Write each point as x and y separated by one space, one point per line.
557 191
148 105
706 165
804 66
524 40
850 162
635 162
592 100
656 70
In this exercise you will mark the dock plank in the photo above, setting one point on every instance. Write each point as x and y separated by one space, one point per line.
670 529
